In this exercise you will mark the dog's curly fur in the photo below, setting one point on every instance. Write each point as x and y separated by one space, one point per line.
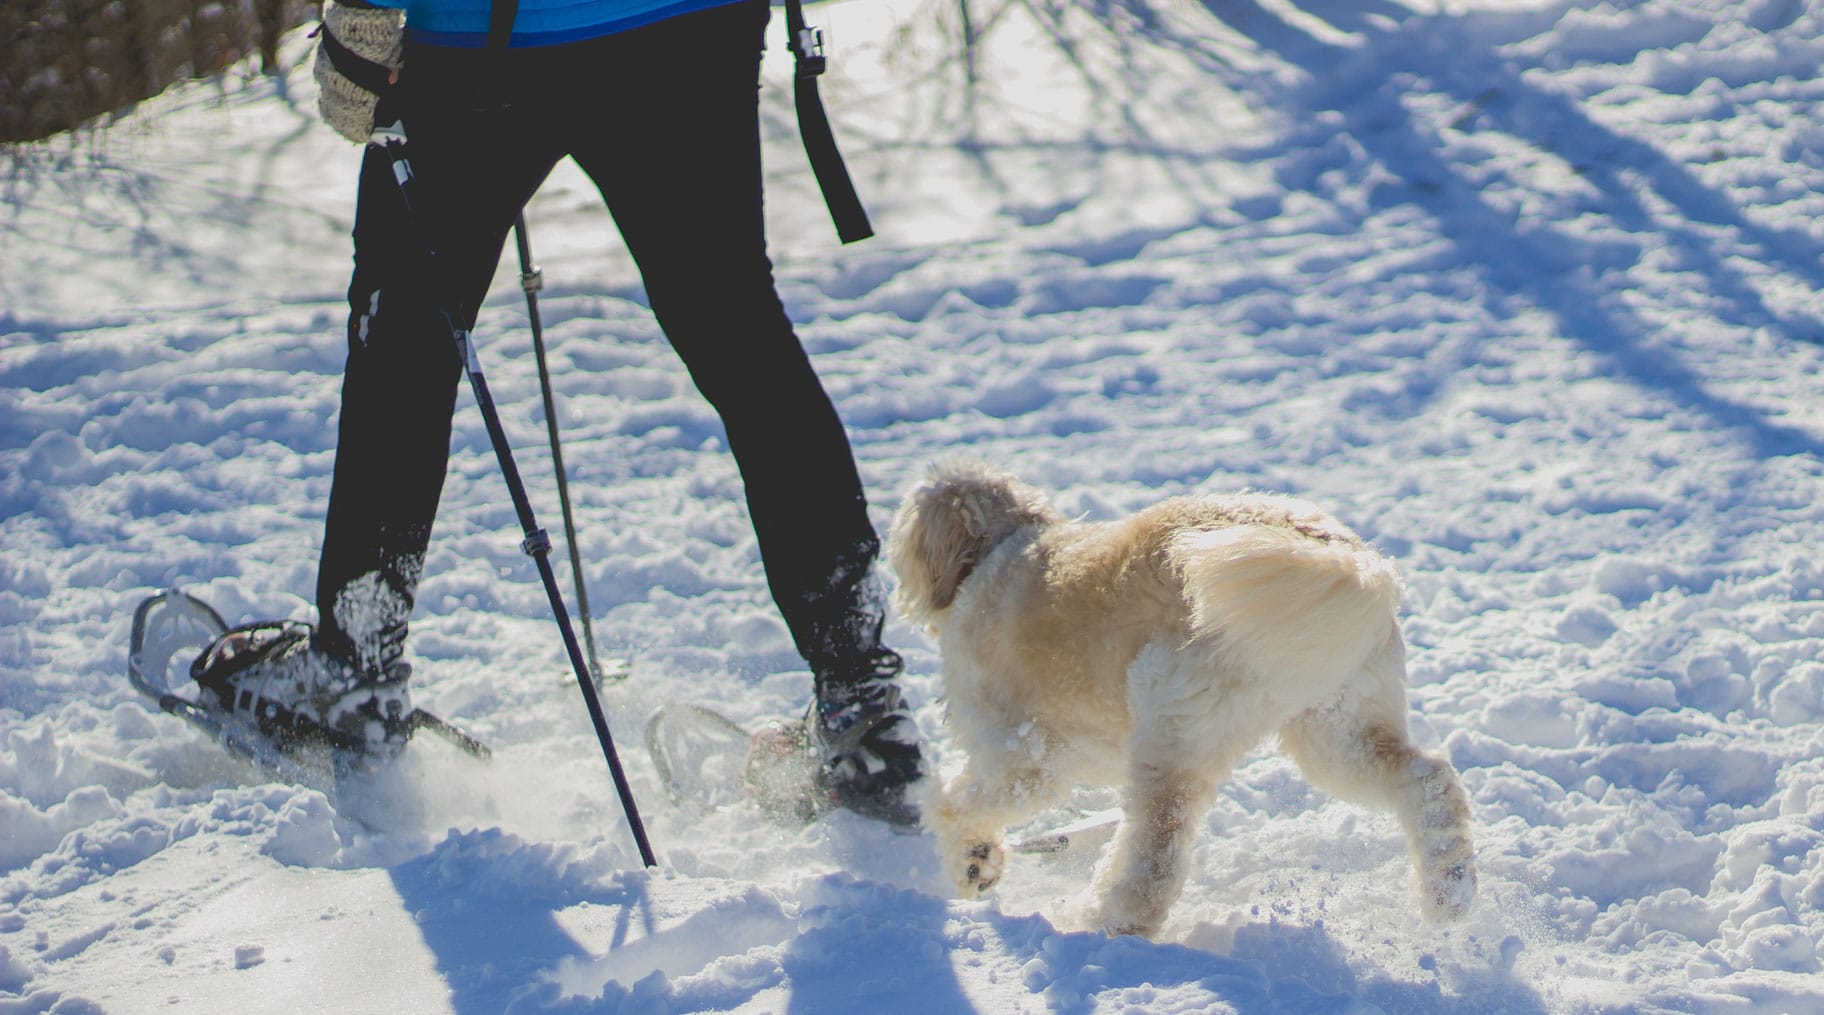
1153 652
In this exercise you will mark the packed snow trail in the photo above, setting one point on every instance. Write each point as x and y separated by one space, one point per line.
1527 293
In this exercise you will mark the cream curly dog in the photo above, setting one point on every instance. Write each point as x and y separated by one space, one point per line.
1153 652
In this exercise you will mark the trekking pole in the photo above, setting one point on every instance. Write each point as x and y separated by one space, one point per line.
531 279
537 544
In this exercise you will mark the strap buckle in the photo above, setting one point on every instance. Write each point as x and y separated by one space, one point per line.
807 49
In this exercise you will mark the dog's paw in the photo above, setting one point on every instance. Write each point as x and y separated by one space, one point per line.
1131 928
1448 890
1444 853
1116 920
1122 912
982 868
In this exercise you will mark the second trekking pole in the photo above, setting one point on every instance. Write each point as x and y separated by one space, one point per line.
531 279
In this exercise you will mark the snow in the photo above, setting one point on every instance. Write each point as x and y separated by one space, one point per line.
1525 291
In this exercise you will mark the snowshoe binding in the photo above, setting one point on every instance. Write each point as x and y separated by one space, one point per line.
270 676
266 695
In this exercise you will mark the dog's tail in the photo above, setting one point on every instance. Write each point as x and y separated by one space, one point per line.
1289 606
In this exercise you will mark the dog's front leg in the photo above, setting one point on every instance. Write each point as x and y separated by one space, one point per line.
1190 730
1147 866
974 808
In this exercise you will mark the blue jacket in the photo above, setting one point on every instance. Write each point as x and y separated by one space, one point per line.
539 22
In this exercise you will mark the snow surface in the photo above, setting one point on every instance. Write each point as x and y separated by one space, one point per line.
1527 291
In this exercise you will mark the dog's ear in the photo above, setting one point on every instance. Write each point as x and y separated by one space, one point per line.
946 524
931 549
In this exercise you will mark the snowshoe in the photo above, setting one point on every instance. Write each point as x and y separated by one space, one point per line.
699 755
705 759
1081 833
227 694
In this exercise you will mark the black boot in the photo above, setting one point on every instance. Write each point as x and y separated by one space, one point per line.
866 738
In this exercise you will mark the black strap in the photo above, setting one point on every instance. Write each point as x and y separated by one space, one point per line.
500 23
366 74
814 125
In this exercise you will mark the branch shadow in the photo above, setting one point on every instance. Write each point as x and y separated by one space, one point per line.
1342 54
1536 260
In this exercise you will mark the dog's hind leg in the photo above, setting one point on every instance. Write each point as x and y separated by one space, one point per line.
1356 748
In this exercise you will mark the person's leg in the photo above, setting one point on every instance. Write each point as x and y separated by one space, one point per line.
475 163
681 173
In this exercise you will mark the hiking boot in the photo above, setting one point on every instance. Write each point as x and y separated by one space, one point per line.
867 740
272 676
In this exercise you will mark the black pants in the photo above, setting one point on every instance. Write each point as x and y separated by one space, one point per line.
665 120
